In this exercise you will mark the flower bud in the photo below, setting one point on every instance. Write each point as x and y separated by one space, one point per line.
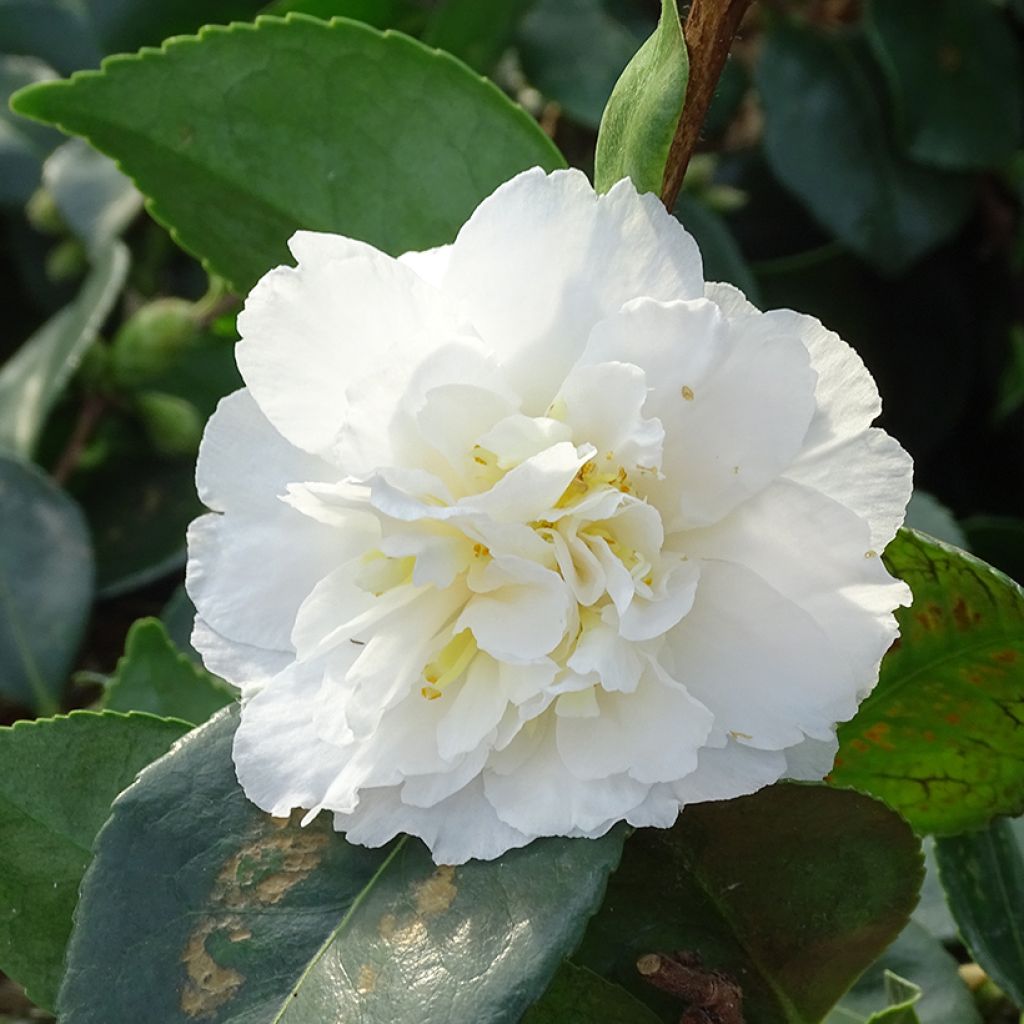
173 424
44 214
151 341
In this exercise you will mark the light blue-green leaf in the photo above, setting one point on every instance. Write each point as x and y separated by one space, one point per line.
644 109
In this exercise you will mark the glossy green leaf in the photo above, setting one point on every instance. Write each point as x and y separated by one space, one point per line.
200 907
574 51
297 123
955 71
36 375
644 109
96 201
405 15
58 778
23 145
154 676
578 996
941 738
474 32
46 585
833 151
919 959
792 892
983 874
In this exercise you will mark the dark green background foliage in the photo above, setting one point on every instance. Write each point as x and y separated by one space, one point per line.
862 161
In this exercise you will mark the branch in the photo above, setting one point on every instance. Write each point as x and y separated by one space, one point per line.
709 30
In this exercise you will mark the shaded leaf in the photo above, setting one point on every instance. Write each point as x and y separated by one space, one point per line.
95 199
36 375
56 31
154 676
941 737
999 540
574 51
791 892
932 911
917 958
295 123
722 258
23 145
269 922
983 875
474 32
955 72
578 996
644 109
833 151
178 617
46 585
926 514
58 778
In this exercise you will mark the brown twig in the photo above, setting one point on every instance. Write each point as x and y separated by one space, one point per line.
710 27
89 417
714 997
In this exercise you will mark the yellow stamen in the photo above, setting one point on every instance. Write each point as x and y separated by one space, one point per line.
451 662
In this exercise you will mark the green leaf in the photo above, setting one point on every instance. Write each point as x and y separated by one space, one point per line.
573 51
828 142
23 145
474 32
723 260
36 375
405 15
999 540
919 959
199 906
95 199
46 585
983 874
138 508
56 31
578 996
154 676
644 109
178 617
297 123
791 892
58 777
941 738
902 996
955 72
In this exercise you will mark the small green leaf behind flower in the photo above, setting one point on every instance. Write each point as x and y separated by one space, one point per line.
154 676
644 109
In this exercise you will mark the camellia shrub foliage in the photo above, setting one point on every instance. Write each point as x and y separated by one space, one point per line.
455 563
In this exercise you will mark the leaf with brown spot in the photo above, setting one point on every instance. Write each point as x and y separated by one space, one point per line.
941 738
200 908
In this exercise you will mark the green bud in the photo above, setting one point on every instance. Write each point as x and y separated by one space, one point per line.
66 261
151 341
173 425
44 214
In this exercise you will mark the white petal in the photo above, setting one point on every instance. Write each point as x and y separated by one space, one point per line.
328 349
730 771
247 667
430 264
545 258
474 712
811 760
762 665
601 650
653 734
647 618
735 399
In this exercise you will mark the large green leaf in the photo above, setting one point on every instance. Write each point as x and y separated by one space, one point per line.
198 906
941 738
792 892
644 109
918 958
828 141
298 123
58 778
46 585
34 377
983 875
955 71
154 676
573 51
578 996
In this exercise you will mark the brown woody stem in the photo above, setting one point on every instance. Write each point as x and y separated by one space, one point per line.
709 30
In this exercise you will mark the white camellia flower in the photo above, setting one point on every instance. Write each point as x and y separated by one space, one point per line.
538 532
